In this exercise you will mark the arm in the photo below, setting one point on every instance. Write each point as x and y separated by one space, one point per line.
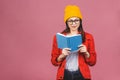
91 60
55 53
58 55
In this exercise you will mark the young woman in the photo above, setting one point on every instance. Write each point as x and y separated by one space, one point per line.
74 65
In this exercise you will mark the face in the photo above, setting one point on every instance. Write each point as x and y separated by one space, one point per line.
73 23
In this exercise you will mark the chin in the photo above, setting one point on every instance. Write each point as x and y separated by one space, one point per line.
74 29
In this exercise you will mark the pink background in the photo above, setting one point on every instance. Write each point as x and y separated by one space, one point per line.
27 28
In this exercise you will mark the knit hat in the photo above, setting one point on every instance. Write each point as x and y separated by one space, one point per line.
72 11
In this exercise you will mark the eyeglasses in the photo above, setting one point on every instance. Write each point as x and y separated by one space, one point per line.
76 21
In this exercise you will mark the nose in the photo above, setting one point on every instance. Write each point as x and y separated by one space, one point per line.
73 23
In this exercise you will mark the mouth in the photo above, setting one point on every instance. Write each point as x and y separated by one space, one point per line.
74 26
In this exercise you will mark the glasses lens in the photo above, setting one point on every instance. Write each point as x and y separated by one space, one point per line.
76 21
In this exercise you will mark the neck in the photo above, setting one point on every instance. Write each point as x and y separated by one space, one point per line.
74 32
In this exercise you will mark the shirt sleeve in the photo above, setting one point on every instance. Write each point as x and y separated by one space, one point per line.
55 53
91 49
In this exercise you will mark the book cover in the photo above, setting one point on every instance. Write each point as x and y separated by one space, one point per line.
71 42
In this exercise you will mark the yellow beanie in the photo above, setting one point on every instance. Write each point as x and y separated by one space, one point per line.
72 11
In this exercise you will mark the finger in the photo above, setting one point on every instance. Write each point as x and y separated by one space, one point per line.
67 53
81 45
68 49
83 50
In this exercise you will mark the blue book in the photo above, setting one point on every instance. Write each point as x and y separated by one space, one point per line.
71 42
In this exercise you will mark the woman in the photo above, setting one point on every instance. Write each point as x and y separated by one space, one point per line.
74 65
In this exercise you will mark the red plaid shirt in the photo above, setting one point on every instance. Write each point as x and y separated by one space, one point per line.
83 61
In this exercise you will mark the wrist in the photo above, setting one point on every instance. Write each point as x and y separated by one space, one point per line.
87 55
61 57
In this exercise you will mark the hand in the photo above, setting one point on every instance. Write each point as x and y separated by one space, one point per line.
65 53
83 49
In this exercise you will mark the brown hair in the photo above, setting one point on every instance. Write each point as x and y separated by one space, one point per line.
80 29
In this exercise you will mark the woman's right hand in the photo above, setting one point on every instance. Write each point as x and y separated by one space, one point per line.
65 53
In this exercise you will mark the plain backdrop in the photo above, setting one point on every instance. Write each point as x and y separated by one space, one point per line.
27 28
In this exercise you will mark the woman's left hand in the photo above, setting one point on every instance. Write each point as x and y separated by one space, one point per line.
83 49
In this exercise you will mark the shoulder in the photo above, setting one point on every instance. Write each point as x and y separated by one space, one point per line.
88 35
55 35
54 39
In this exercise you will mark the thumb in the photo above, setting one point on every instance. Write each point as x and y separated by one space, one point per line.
81 45
67 49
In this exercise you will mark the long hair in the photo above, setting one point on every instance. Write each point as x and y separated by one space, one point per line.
80 29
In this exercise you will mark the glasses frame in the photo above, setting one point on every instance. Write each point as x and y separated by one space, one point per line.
76 21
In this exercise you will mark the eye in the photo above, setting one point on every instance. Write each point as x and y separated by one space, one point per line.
70 21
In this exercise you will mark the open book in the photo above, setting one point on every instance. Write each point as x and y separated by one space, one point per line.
71 42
